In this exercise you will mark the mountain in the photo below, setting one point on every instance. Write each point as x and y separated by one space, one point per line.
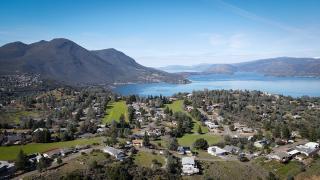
65 61
281 66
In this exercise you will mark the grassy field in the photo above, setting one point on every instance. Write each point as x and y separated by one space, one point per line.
10 152
145 159
312 172
9 117
282 170
231 170
176 106
189 139
114 111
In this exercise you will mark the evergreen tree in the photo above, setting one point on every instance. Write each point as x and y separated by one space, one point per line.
146 141
21 160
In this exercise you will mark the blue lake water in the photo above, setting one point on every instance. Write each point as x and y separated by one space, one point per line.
291 86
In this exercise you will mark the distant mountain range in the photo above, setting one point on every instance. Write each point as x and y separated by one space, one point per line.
281 66
65 61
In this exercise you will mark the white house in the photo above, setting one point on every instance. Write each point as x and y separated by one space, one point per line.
309 149
216 151
189 166
211 125
312 145
118 154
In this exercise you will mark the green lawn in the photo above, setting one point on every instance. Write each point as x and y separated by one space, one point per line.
145 159
10 152
176 106
189 139
114 111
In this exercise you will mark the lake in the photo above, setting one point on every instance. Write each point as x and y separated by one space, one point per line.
290 86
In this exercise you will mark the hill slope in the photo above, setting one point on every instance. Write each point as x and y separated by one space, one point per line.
65 61
281 66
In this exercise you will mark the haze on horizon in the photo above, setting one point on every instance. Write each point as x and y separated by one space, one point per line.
161 33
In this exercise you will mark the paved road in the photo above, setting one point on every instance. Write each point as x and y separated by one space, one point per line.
54 164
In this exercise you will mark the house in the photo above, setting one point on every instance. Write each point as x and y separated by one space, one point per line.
137 142
280 156
181 150
293 152
260 144
6 167
216 151
189 166
189 108
66 151
187 150
312 145
52 154
211 125
13 139
247 130
309 149
118 154
232 149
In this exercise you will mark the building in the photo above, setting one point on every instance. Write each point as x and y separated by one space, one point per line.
137 143
232 149
52 154
260 144
66 151
6 168
189 166
211 125
118 154
280 156
309 149
216 151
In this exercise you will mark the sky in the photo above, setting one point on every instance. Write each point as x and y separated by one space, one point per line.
171 32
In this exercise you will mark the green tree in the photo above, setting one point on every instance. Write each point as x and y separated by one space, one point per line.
173 144
59 161
21 160
200 144
43 164
199 130
146 141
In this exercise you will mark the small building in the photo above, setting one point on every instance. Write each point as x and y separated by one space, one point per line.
6 168
137 142
216 151
260 144
52 154
211 125
66 151
181 150
232 149
189 166
280 156
118 154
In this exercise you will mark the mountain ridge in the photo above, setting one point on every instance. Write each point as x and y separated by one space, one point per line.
65 61
279 66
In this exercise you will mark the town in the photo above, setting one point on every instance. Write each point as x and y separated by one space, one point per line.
186 135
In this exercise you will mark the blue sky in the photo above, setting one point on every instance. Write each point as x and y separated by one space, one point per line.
165 32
